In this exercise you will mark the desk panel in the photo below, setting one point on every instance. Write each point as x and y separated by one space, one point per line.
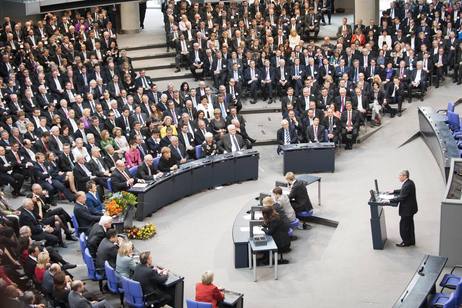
309 157
194 177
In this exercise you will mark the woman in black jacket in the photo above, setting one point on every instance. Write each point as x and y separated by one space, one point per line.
278 229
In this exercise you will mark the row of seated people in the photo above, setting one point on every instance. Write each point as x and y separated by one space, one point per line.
337 113
256 55
29 243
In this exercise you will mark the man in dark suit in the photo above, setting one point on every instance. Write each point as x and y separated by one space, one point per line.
315 132
252 80
146 171
332 125
350 125
107 250
267 81
285 135
51 234
196 60
407 209
151 278
97 233
298 195
82 213
233 142
121 179
440 61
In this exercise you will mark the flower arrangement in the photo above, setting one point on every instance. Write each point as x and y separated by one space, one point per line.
118 202
141 233
112 208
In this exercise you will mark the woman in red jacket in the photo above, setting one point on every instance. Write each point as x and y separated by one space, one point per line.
43 261
207 292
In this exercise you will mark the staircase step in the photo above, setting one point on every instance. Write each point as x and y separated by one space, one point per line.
154 64
168 74
150 53
158 45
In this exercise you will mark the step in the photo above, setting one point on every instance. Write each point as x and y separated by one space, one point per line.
150 53
154 64
157 45
168 74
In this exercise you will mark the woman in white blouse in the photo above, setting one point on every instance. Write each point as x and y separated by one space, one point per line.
294 39
120 139
385 38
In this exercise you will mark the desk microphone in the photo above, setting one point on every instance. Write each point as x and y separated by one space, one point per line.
420 272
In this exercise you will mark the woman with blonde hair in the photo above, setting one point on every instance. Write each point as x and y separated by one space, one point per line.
125 262
43 261
168 122
119 139
207 292
294 39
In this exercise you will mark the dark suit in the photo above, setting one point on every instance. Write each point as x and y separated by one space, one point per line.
349 136
227 143
95 235
150 282
143 172
107 251
299 198
407 209
119 181
319 137
27 218
84 217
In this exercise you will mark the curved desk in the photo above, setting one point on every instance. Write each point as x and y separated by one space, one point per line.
194 177
438 138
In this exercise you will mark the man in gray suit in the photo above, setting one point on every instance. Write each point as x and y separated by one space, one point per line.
76 299
107 250
233 142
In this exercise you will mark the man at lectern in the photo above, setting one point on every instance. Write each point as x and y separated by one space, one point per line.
407 208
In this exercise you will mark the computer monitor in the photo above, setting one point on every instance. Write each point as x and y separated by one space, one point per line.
376 186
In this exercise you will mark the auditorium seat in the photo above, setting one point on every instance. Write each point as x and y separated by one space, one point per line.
113 283
133 294
75 224
198 151
304 214
451 300
91 270
450 280
193 304
294 224
109 184
82 243
133 171
155 162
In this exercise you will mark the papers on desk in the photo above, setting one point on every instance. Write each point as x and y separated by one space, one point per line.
258 215
256 230
386 196
140 185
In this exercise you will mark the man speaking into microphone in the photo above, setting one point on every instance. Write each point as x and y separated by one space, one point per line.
407 200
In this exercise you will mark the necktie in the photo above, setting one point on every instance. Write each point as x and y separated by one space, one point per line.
125 175
349 118
175 119
236 145
149 170
70 161
286 136
100 166
179 152
315 130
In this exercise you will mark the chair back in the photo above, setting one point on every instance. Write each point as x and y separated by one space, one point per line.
133 294
109 184
193 304
75 224
198 151
88 259
133 171
452 301
112 282
453 121
155 162
451 107
458 294
82 243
